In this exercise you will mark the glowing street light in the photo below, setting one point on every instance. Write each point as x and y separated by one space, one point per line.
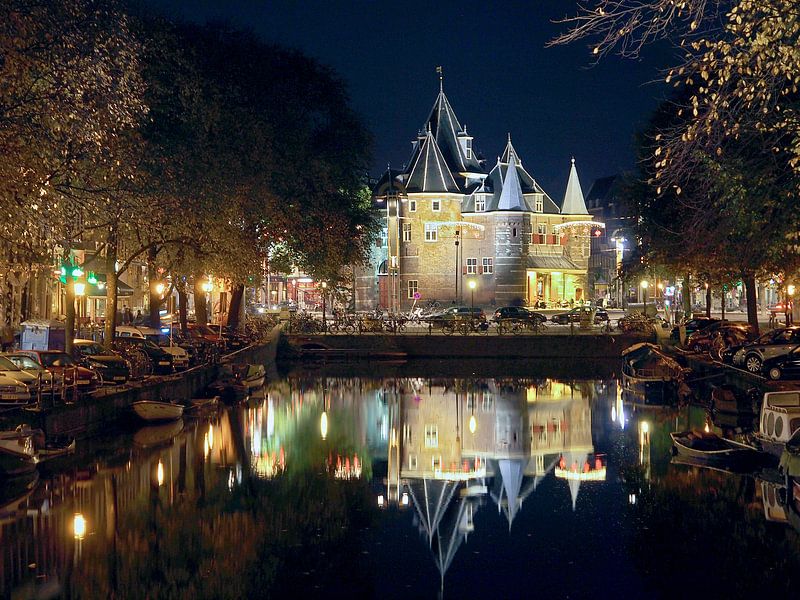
472 284
160 473
323 425
208 286
78 526
159 288
473 424
645 284
80 289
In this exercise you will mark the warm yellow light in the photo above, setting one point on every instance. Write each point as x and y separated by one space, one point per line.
381 500
80 289
160 473
645 284
790 289
206 449
323 425
661 286
707 429
473 424
208 286
78 526
404 499
324 285
472 284
159 288
645 426
211 437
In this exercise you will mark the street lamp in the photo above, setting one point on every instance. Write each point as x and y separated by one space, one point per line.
208 286
80 289
458 238
159 288
472 285
324 287
644 285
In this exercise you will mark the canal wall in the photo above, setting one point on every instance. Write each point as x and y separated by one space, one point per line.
95 412
549 346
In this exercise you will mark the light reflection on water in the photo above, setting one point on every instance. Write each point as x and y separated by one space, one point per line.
398 487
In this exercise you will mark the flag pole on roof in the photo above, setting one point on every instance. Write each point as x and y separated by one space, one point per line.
440 72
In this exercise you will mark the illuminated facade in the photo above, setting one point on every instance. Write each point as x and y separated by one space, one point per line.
453 218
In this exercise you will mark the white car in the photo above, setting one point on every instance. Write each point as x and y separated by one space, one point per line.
13 391
180 358
28 365
9 369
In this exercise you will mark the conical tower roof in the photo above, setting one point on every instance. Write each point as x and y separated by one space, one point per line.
429 171
445 127
574 203
511 197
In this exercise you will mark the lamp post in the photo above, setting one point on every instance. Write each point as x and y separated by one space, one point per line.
458 239
324 324
644 285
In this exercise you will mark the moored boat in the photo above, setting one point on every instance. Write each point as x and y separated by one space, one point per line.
649 373
151 436
779 419
153 410
252 376
17 453
712 449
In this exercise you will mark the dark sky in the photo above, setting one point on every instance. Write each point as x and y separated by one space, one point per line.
499 76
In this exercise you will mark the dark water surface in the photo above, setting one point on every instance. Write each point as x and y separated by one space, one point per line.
398 484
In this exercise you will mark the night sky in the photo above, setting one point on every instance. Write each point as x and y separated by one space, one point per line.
499 76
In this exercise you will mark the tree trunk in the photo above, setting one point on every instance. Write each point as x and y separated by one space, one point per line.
111 291
235 307
183 306
69 311
749 282
722 303
708 300
687 295
200 304
154 320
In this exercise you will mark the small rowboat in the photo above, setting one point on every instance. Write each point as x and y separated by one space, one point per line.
203 403
153 410
711 448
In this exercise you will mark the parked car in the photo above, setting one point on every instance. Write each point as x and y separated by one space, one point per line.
518 313
729 337
783 366
9 369
161 360
27 364
180 354
703 340
691 325
459 312
773 343
13 391
63 366
574 315
110 366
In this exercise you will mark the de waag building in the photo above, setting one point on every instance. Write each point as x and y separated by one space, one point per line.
458 228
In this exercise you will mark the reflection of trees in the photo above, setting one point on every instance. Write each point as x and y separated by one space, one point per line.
262 540
705 534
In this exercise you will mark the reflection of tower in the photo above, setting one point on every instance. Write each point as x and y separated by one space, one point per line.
393 451
644 448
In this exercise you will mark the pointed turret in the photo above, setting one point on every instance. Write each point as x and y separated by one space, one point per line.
574 203
451 136
429 171
511 197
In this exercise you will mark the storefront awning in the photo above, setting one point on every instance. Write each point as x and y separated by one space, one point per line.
546 264
98 290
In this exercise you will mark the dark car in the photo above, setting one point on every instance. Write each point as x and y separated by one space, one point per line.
110 366
63 367
691 325
703 340
161 360
786 366
574 315
459 313
770 345
518 313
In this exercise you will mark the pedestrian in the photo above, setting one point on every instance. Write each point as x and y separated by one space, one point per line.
139 318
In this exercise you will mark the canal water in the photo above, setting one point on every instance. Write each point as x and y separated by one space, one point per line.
397 484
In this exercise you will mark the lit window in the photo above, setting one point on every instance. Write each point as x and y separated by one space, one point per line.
412 288
488 266
431 232
472 266
538 203
431 436
480 204
436 205
412 205
406 232
384 238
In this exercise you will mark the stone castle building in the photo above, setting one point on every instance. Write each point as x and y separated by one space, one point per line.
457 226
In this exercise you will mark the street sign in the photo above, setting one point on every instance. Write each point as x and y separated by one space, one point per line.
417 295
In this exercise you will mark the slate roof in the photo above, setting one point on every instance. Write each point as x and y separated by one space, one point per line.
429 171
444 125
